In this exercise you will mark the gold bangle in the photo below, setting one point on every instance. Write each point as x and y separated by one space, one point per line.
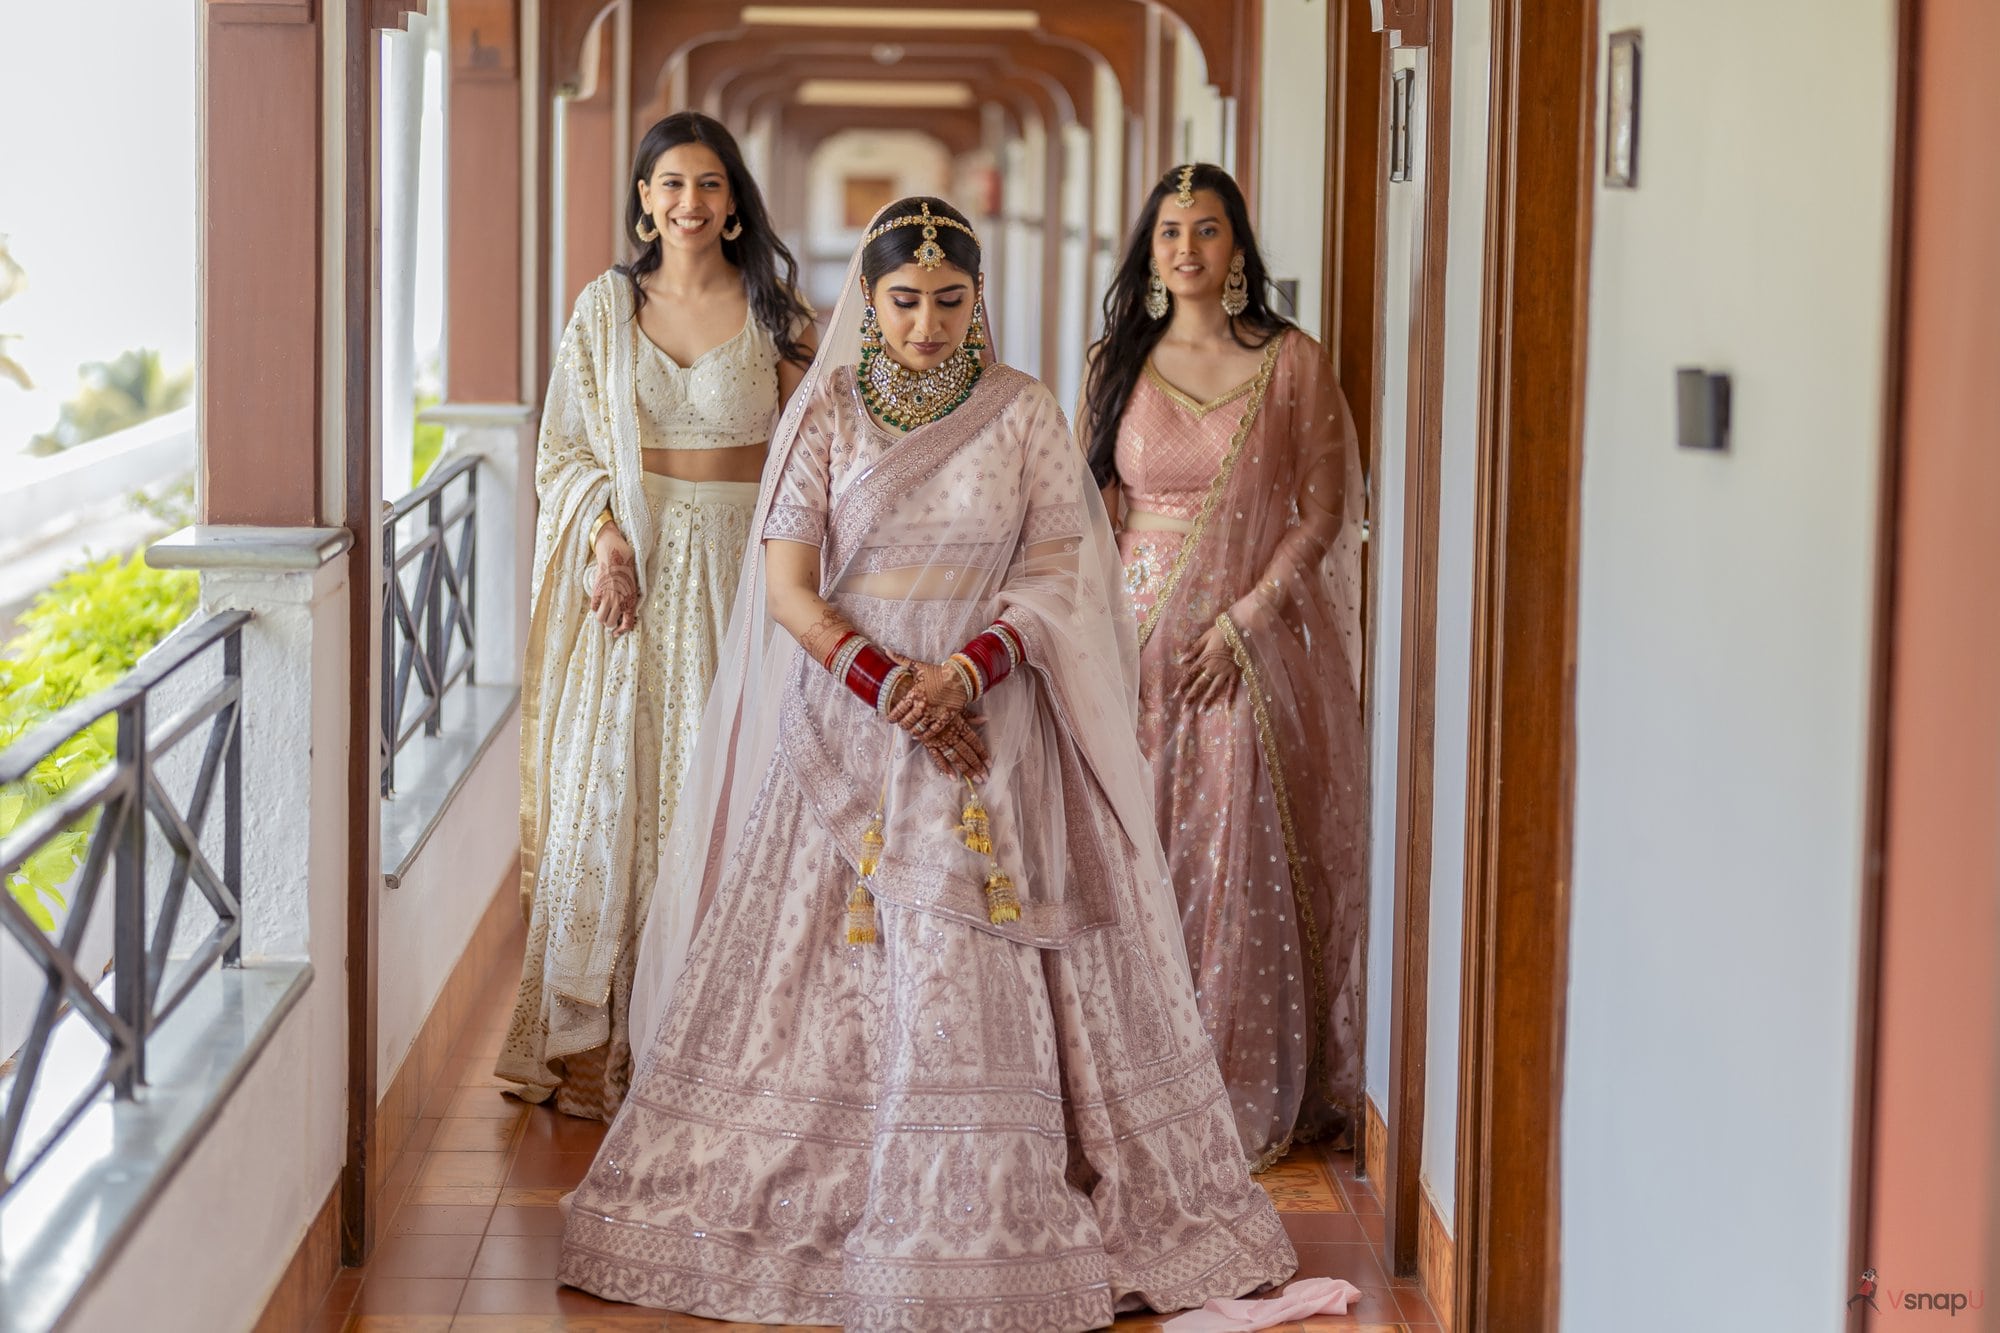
597 528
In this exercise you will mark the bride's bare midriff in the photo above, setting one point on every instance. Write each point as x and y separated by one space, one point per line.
1145 520
744 463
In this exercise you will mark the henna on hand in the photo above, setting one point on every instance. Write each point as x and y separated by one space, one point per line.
937 696
825 633
614 597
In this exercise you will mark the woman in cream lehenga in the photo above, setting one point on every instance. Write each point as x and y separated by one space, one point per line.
1220 434
669 380
931 1060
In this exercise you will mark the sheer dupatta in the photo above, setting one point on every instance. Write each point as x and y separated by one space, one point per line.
1274 559
579 686
924 540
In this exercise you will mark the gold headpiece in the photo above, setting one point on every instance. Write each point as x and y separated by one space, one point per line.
1186 197
930 254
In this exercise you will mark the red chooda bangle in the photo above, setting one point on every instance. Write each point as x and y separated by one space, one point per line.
868 672
996 652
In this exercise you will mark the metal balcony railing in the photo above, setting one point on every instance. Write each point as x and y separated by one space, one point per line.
115 806
427 626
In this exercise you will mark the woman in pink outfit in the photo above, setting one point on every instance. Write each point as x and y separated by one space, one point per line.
1227 455
918 1048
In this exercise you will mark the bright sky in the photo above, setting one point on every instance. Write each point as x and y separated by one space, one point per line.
97 194
97 191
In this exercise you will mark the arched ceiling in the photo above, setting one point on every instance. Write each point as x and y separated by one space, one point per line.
1112 30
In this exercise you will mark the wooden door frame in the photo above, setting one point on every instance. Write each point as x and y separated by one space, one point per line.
1519 798
1401 1172
362 516
1881 667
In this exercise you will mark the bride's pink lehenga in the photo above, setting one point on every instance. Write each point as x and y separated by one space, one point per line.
967 1125
1262 799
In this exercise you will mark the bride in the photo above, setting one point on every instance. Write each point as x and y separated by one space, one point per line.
932 1059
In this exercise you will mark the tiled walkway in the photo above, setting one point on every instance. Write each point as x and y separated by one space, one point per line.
470 1228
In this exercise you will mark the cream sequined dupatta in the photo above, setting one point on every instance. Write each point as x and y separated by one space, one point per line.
579 686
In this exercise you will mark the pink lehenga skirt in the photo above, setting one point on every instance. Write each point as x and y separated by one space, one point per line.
1275 942
946 1131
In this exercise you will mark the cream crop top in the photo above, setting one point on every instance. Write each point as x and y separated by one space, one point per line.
725 400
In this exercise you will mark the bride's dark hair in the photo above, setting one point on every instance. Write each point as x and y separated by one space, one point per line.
758 253
898 245
1130 334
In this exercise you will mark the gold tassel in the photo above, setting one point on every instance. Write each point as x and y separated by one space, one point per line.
976 828
861 916
1002 904
861 903
871 846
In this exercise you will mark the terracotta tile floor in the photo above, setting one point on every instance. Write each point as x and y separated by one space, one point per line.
470 1229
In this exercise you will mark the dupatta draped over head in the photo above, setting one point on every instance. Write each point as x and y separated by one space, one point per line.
925 540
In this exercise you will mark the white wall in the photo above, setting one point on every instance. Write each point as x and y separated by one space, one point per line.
1290 208
1723 669
1465 276
428 919
1387 499
1198 113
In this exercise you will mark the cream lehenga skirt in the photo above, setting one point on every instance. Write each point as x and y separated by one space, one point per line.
701 529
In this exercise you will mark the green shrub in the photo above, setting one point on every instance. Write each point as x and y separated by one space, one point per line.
82 633
427 441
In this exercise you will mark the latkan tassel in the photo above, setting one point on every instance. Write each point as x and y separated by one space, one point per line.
871 846
1002 904
861 916
976 828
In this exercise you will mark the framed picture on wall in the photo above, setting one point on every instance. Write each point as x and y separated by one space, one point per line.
862 197
1621 111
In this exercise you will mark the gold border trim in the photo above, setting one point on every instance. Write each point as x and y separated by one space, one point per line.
1281 794
1187 400
1258 387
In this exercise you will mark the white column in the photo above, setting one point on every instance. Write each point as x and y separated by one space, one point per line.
403 56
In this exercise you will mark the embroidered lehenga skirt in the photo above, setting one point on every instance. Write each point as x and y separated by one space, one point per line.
701 529
946 1130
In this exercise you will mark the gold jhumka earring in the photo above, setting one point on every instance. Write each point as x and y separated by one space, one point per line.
1157 300
1236 291
975 338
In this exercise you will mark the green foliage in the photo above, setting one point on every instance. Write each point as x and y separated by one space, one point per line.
113 395
429 441
81 634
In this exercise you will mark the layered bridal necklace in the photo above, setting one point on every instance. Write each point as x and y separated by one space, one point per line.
905 398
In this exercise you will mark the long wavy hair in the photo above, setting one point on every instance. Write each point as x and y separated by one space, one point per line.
1130 334
770 274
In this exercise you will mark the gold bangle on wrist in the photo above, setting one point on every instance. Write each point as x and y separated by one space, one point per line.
597 528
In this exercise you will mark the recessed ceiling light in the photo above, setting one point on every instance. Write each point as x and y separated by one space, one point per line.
910 20
870 92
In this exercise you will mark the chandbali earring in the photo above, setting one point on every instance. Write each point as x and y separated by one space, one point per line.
871 327
1157 302
975 338
1236 291
647 231
733 230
